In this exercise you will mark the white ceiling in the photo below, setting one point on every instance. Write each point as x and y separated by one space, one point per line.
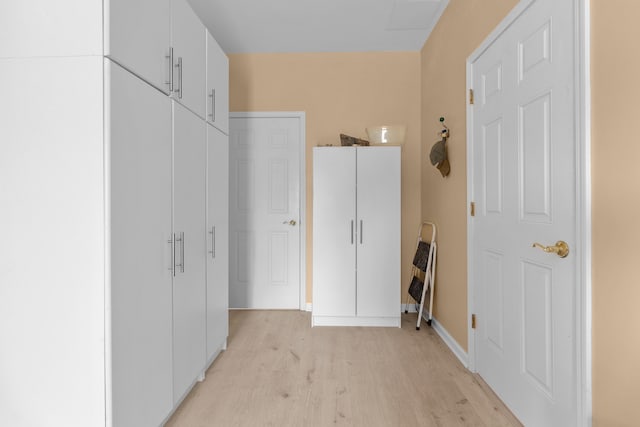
252 26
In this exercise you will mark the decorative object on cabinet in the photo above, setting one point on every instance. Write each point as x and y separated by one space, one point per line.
387 134
356 229
423 271
438 155
348 141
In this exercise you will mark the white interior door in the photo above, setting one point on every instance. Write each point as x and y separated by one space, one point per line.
524 187
265 212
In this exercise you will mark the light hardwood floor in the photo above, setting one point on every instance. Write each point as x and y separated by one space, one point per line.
278 371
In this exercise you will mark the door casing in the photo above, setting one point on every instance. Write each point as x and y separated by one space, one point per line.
582 126
300 115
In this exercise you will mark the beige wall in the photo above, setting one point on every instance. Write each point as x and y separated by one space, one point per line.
340 93
615 150
463 26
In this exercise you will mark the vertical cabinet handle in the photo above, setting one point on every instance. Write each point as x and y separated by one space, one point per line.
172 242
213 242
179 65
170 77
181 240
212 96
352 232
361 232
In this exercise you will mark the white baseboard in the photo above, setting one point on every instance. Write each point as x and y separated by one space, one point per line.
453 345
309 307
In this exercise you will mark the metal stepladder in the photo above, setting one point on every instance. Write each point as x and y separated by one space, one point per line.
423 273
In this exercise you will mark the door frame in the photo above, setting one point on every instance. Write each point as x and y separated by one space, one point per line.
301 116
582 129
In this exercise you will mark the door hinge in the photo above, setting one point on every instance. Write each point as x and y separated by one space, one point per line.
472 208
473 321
471 97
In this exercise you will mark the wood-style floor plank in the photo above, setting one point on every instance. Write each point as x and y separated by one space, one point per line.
278 371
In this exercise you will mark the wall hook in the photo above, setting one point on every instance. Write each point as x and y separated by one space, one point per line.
444 133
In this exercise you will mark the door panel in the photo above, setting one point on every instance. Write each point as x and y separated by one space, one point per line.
217 85
378 237
138 36
264 212
524 185
218 240
188 37
334 231
189 208
140 130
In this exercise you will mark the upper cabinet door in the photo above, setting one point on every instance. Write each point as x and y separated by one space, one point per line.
138 36
31 28
189 57
217 85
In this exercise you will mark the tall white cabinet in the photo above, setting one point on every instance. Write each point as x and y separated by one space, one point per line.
108 310
356 236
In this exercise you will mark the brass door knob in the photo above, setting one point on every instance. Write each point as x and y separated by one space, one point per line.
290 222
560 248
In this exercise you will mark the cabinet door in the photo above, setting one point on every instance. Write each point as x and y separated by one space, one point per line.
138 36
188 38
378 195
334 215
140 182
217 85
218 240
189 295
30 28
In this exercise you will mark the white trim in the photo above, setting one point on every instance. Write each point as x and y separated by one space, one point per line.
450 342
583 210
302 221
583 319
453 345
392 322
309 307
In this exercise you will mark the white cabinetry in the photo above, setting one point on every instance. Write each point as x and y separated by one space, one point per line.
139 150
218 241
356 236
188 38
217 85
30 28
138 37
103 295
189 304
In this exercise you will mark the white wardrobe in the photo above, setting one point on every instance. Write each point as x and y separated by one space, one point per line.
111 179
356 236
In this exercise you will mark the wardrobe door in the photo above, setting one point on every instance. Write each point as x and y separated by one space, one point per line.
140 221
378 248
334 239
188 38
217 85
217 241
138 36
189 295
